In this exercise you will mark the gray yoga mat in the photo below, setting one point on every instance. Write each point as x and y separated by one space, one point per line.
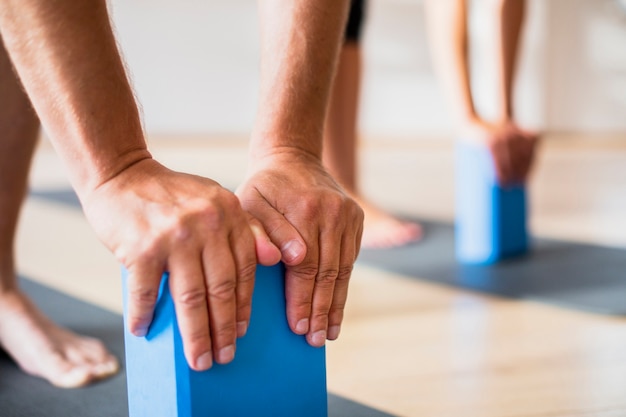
25 396
572 275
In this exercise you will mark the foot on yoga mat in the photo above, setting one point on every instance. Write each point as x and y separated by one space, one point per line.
22 395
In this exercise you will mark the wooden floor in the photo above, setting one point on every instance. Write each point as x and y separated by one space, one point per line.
413 348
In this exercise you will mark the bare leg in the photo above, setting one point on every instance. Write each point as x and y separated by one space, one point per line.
508 17
39 347
381 229
511 147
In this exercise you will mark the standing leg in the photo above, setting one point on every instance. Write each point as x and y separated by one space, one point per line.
341 146
511 148
509 19
39 347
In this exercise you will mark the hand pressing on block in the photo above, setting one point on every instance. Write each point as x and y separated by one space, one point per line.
157 220
313 222
512 148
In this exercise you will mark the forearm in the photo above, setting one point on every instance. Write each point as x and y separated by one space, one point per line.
300 42
67 58
508 17
447 27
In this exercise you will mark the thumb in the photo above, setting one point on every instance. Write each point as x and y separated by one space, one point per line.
267 253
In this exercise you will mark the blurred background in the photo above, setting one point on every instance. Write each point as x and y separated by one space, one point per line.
195 67
409 346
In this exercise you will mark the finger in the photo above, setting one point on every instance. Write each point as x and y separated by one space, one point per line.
189 293
283 234
242 248
299 286
530 147
330 248
500 158
144 280
522 160
350 245
266 252
220 272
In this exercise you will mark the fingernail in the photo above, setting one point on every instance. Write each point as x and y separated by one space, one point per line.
291 251
242 328
333 332
204 361
140 331
302 326
319 338
226 354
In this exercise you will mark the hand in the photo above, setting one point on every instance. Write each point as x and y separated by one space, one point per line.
511 148
318 230
157 220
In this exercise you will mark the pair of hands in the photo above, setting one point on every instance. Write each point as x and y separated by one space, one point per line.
155 220
512 148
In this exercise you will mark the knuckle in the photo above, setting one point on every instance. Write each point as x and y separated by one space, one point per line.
192 298
223 290
197 335
335 315
144 297
320 316
304 305
225 332
309 207
336 203
357 212
327 276
206 214
246 272
243 310
231 202
306 271
338 307
345 271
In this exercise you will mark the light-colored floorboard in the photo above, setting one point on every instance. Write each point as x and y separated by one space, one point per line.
408 347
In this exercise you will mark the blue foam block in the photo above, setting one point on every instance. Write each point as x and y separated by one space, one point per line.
274 373
490 220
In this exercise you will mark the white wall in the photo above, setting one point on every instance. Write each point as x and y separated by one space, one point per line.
586 65
194 64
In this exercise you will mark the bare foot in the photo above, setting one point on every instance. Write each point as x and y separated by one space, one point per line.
382 230
43 349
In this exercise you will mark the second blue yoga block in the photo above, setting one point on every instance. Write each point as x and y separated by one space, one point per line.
490 220
275 372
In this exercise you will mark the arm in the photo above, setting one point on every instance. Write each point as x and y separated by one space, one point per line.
306 214
511 147
151 218
447 29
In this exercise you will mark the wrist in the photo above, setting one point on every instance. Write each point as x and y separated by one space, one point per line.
92 174
271 146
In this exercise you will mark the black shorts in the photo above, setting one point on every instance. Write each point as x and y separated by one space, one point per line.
355 21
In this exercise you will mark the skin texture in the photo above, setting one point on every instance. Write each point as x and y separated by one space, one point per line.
512 147
381 229
154 219
39 346
316 225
